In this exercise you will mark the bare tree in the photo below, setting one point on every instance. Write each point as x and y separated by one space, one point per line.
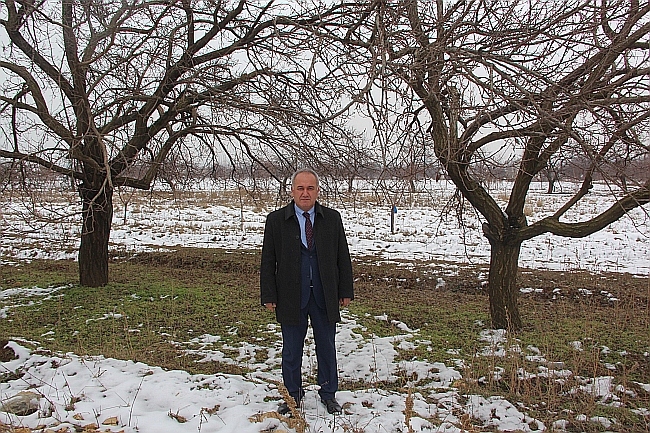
103 92
553 172
531 80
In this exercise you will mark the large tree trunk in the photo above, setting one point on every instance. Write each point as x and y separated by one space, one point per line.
502 285
97 215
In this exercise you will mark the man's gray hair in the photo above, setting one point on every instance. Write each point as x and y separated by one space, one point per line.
306 170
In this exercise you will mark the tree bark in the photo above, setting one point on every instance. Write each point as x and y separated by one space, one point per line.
97 215
502 285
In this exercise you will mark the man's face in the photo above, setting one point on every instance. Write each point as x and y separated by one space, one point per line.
305 190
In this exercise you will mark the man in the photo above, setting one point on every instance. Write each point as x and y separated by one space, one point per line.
306 273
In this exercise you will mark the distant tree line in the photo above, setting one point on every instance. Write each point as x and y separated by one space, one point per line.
187 177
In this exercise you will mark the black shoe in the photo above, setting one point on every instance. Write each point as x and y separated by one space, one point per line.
332 406
284 408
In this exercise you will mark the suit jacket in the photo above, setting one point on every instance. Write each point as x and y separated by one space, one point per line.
280 279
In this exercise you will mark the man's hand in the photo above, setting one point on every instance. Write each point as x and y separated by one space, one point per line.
270 306
345 302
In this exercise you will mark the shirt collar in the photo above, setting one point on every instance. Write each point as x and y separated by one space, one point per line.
300 211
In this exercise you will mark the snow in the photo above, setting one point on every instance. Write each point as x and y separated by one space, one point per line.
133 397
425 230
149 399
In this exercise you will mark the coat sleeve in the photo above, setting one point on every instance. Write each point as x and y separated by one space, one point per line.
346 279
268 290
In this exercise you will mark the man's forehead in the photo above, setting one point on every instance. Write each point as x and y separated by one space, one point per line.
305 180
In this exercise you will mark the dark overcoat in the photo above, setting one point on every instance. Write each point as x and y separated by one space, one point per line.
280 269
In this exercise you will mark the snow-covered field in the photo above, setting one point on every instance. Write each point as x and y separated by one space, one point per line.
424 230
120 395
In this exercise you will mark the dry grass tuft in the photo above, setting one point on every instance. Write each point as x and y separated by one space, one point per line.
296 421
408 411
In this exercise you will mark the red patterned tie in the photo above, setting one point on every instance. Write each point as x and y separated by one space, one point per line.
309 230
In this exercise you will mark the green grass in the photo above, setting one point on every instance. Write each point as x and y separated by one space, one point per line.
153 300
157 303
